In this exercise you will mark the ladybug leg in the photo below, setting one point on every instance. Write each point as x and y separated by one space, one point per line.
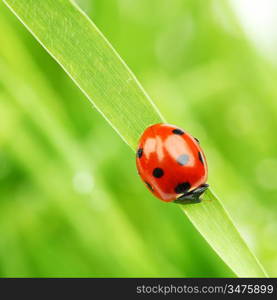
193 196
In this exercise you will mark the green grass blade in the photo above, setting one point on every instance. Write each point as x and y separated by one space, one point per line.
214 223
88 58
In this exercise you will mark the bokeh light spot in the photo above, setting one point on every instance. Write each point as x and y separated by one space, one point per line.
83 182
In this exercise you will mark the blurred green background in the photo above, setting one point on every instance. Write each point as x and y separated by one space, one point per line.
71 203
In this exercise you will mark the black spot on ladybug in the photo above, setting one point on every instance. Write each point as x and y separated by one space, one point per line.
178 131
158 172
182 188
183 159
197 140
149 186
139 152
200 157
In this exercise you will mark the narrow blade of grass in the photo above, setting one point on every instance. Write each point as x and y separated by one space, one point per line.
88 58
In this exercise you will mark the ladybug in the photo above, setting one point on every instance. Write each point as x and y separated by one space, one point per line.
172 164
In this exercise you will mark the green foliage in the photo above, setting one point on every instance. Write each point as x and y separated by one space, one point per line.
79 47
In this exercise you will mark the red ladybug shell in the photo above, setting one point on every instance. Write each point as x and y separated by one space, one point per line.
170 161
